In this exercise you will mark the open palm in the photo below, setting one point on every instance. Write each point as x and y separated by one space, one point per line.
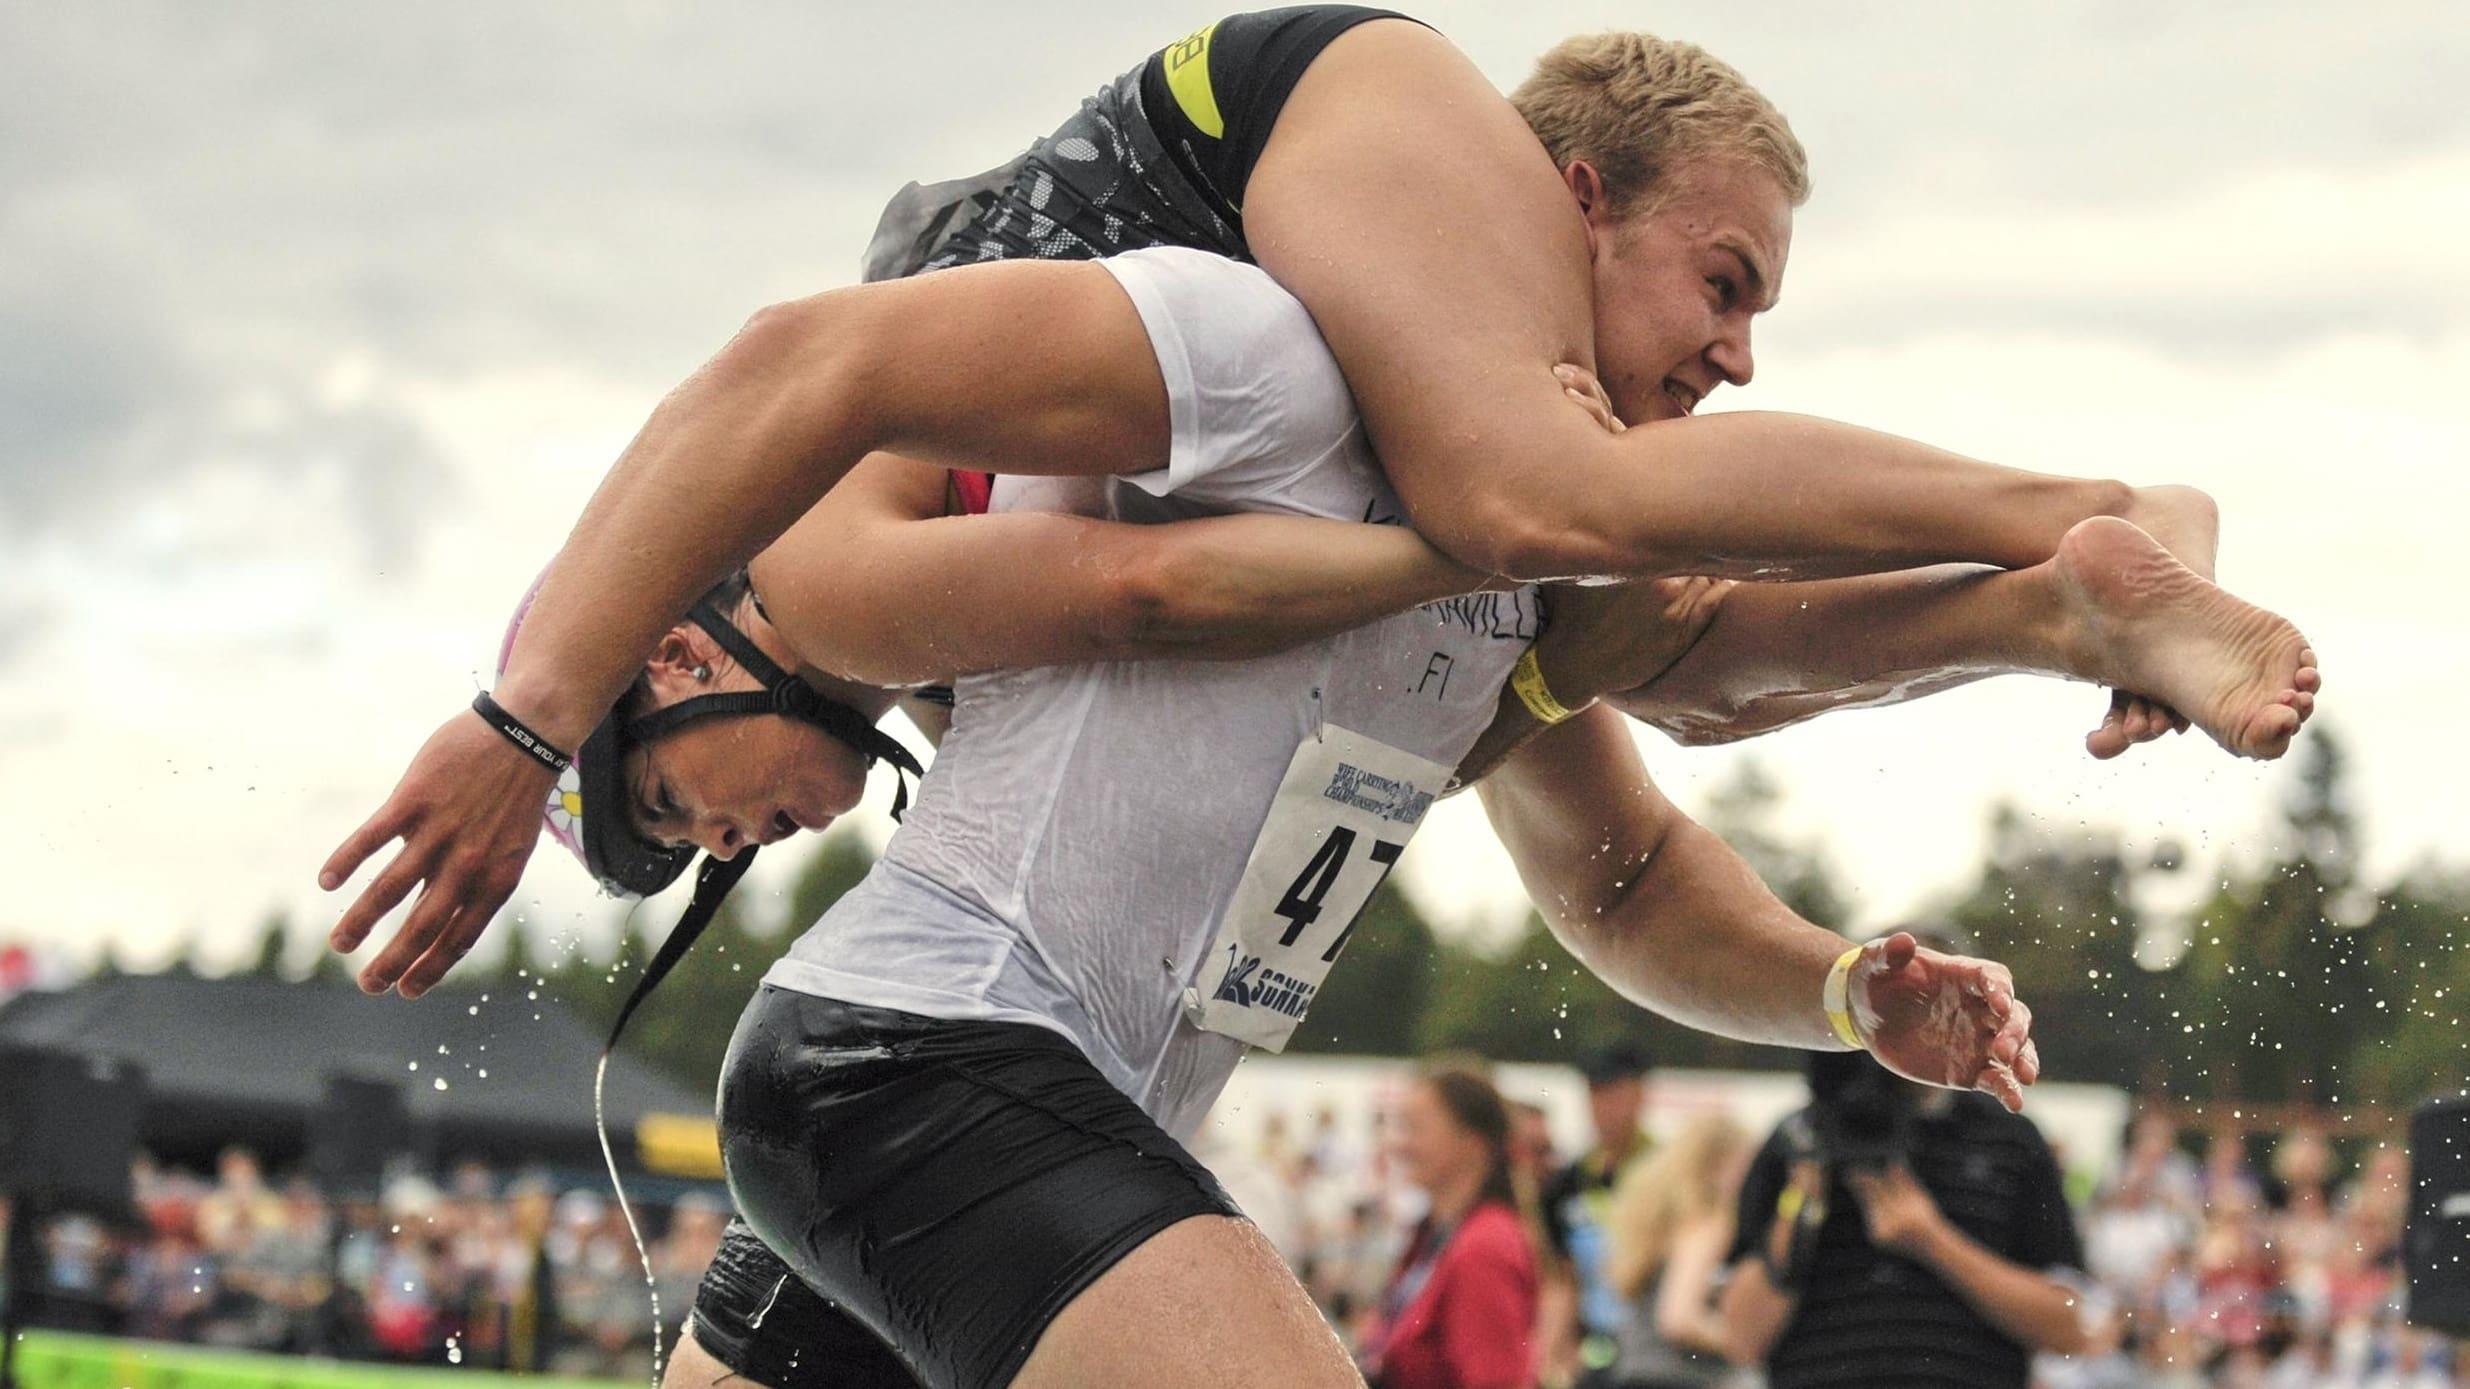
1947 1020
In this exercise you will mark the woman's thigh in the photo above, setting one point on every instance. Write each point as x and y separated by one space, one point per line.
1203 1304
1412 210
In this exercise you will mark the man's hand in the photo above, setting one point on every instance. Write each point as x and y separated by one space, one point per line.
468 812
1601 640
1946 1020
1897 1209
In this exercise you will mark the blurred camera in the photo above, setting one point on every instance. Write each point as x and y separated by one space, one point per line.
1861 1114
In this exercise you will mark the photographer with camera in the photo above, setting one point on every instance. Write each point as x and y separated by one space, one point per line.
1895 1236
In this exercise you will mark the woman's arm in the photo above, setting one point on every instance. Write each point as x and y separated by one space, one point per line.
877 584
1684 1302
1036 367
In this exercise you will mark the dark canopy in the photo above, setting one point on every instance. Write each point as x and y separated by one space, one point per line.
246 1060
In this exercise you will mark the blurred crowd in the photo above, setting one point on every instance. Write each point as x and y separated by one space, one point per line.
2211 1261
482 1269
1446 1238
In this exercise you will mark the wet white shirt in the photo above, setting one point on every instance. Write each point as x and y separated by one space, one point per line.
1159 859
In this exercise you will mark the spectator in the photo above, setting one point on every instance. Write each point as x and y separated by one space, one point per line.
680 1256
1901 1237
1671 1222
1459 1311
1583 1312
527 1281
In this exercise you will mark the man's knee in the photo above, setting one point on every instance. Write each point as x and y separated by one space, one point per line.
1205 1302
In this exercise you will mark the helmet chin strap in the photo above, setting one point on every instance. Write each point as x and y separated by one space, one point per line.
782 694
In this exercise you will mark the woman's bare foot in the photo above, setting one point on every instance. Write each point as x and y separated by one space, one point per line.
2132 719
2149 623
2188 525
2183 519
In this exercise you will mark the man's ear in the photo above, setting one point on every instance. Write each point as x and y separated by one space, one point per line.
1586 184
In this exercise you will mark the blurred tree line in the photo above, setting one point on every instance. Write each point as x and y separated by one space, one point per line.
2292 979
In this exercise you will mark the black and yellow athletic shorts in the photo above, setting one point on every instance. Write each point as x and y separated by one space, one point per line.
1161 155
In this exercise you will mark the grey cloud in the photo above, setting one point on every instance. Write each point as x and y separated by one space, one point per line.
199 202
2226 328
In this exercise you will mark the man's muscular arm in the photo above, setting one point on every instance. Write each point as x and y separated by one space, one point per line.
1669 916
1651 903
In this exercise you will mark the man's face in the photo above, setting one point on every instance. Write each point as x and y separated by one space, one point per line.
1616 1107
1677 281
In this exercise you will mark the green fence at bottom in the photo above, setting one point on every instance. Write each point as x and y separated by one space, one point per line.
55 1360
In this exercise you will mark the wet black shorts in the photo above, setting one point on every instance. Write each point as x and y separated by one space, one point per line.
1162 155
939 1189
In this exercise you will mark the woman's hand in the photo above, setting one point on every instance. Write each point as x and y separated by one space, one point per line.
468 812
1947 1020
1580 385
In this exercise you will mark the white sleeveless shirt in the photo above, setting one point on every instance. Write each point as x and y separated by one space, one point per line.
1160 859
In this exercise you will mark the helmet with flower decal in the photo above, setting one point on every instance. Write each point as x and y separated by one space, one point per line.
587 808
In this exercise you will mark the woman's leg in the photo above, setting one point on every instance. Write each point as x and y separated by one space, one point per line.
1204 1304
2112 608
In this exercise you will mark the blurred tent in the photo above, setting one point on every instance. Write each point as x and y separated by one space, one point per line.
498 1077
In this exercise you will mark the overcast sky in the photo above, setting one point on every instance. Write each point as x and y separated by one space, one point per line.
319 322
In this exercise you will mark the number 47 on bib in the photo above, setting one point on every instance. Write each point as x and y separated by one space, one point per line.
1341 818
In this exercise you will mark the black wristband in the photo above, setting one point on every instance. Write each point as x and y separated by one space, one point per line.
514 731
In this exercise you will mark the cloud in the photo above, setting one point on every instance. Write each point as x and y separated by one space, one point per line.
2266 262
292 298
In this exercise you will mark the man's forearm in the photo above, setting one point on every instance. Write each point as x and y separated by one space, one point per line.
1698 938
1777 654
2033 1308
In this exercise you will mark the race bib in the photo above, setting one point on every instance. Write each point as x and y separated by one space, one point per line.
1342 816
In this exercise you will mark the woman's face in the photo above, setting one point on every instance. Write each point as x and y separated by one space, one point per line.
1431 1146
724 783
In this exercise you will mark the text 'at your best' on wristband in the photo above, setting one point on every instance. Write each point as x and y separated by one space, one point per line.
1527 678
1836 998
515 731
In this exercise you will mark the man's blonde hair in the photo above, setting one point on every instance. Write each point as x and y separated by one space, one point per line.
1638 108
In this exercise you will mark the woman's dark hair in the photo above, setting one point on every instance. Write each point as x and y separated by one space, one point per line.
1475 1105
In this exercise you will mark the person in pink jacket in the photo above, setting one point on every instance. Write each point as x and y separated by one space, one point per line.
1459 1312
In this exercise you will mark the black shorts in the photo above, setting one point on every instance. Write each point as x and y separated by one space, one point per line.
939 1189
1162 155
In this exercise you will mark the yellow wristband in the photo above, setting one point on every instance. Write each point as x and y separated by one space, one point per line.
1527 678
1836 998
